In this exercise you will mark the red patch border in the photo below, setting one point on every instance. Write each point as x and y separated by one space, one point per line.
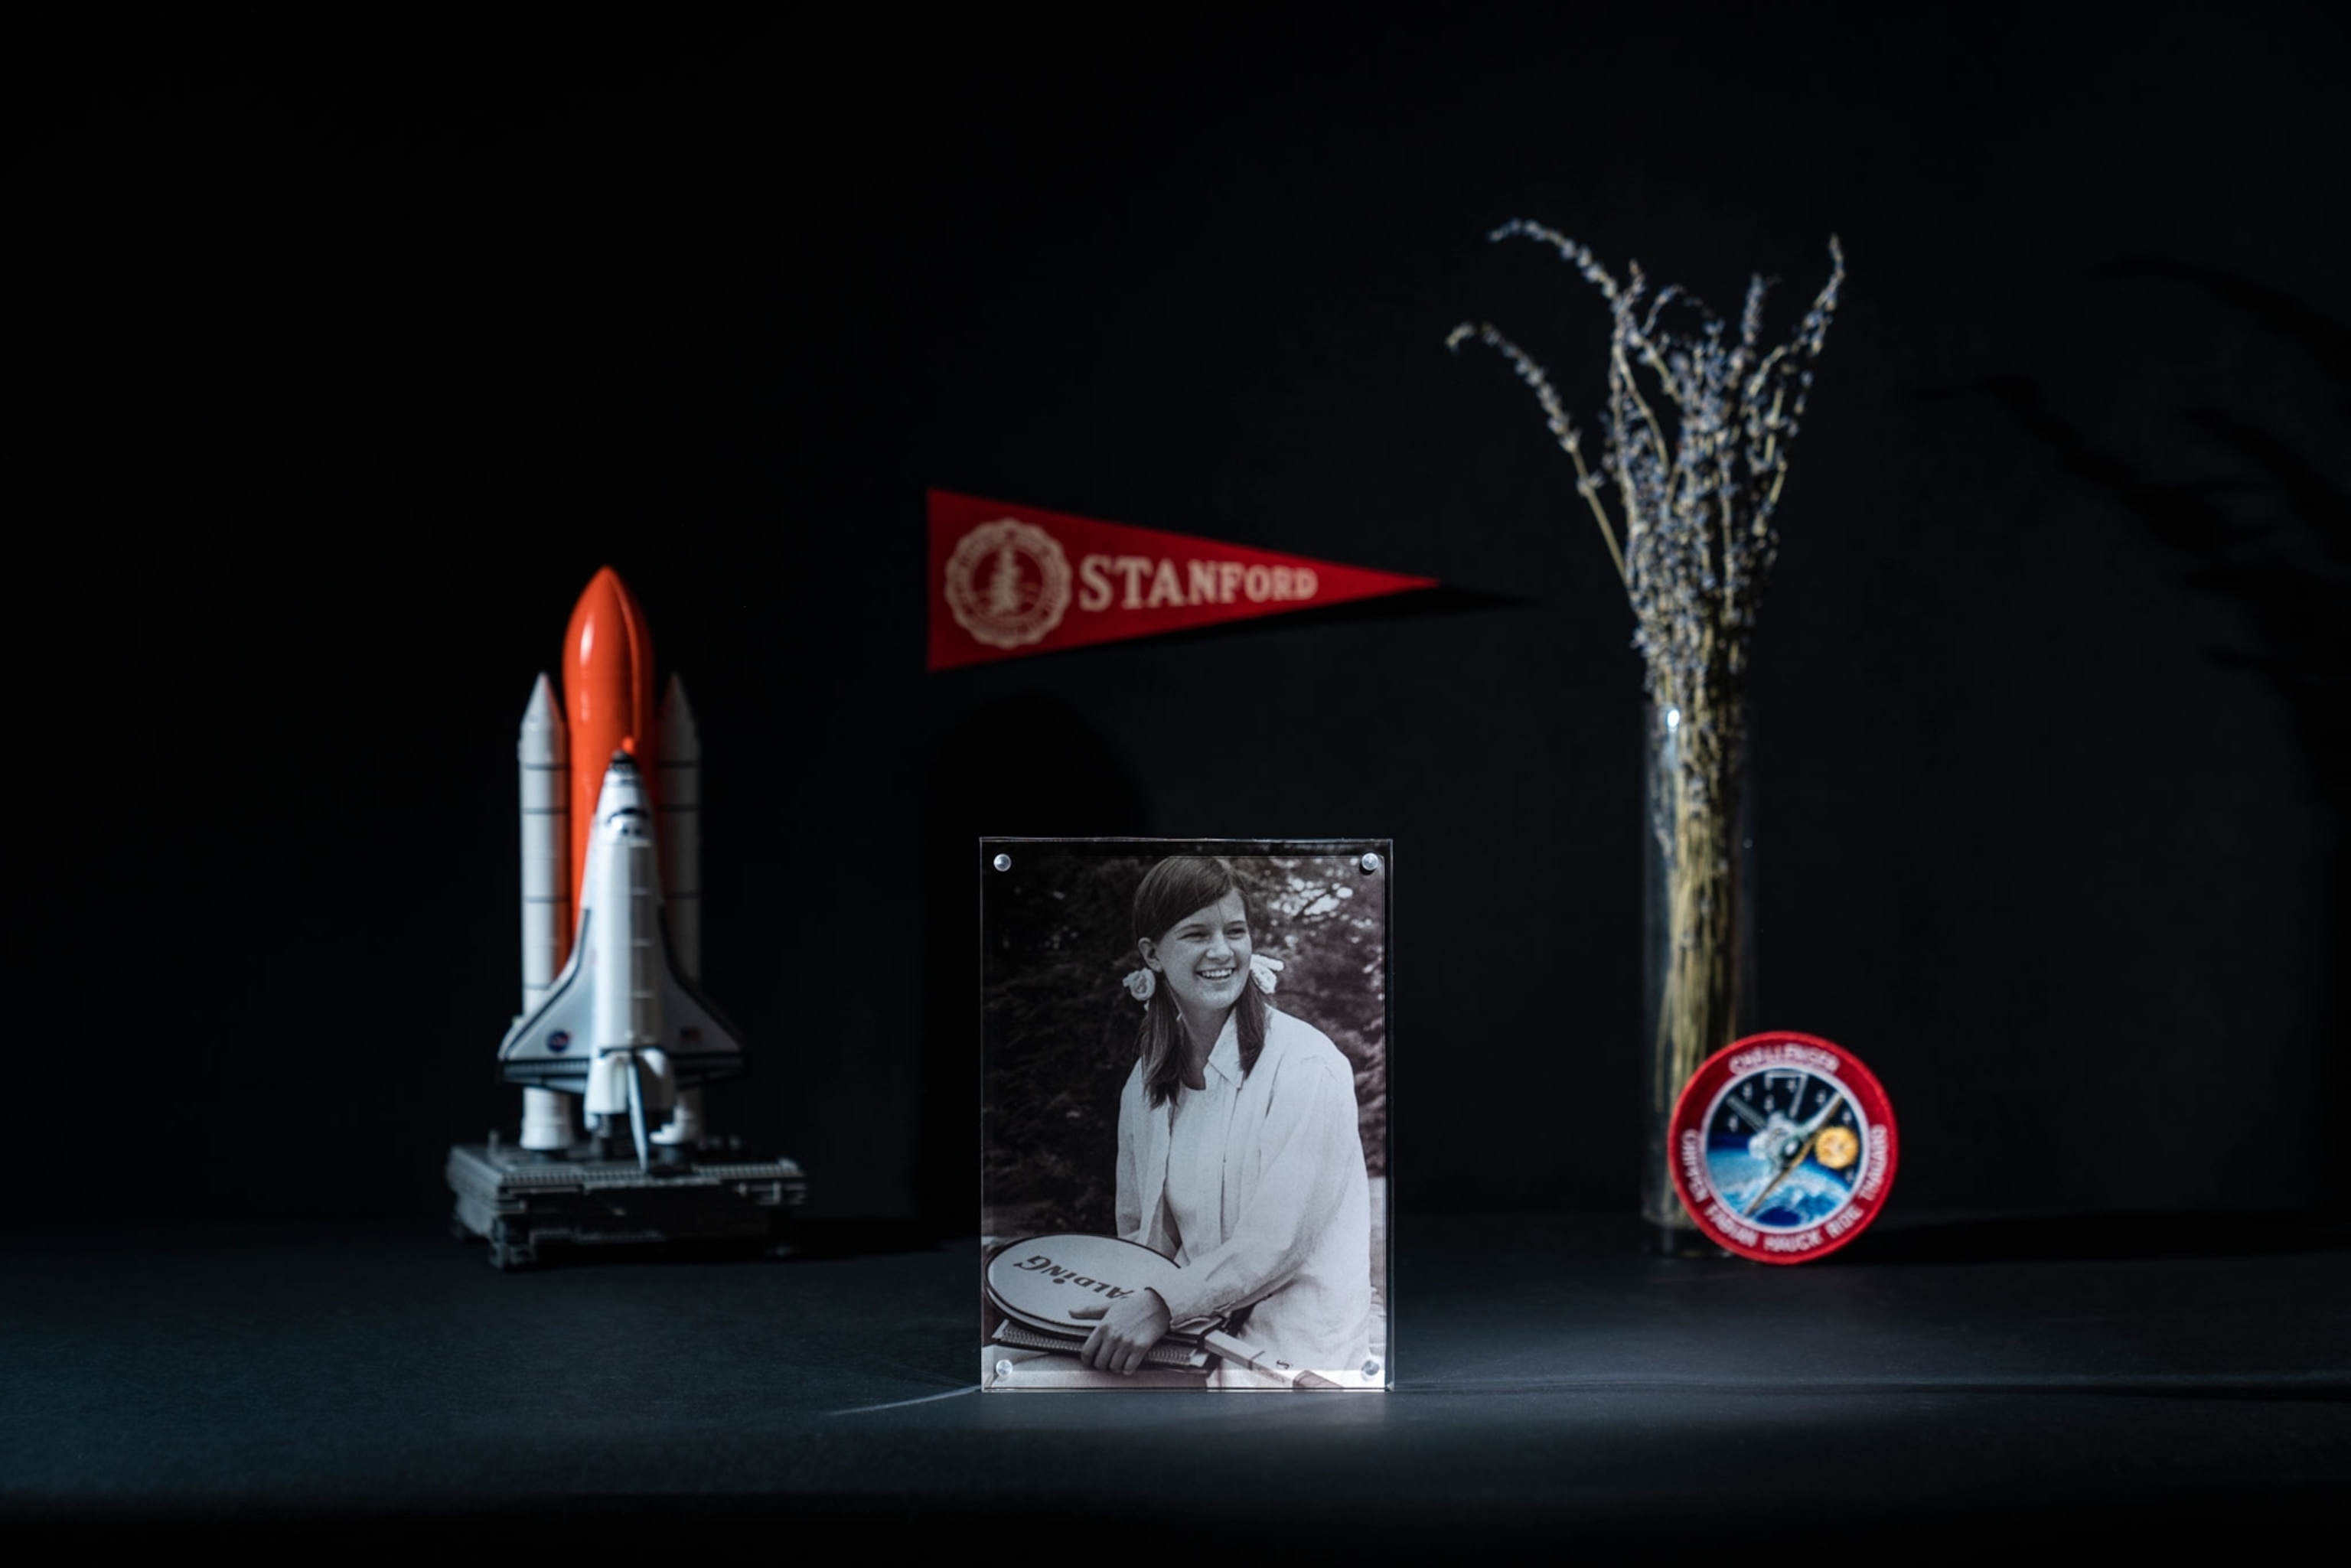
1697 1095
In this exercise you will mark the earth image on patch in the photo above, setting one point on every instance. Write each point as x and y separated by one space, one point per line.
1810 1194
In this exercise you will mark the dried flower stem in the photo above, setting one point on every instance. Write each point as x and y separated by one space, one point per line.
1562 428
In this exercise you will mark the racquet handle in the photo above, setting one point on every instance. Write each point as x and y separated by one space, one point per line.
1231 1349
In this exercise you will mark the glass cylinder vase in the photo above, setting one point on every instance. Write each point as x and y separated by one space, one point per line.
1698 926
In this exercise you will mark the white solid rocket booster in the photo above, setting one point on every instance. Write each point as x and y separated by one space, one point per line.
680 828
544 754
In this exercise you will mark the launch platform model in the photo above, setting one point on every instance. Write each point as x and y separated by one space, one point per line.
613 1027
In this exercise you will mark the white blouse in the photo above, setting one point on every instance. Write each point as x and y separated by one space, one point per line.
1197 1122
1257 1188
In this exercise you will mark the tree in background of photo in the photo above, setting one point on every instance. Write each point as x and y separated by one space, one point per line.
1061 1026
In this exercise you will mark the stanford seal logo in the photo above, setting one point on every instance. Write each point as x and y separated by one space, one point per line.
1007 583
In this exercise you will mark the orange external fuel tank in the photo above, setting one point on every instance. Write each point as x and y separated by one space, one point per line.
607 700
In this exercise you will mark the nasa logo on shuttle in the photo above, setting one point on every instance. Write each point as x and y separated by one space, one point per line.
559 1042
1007 583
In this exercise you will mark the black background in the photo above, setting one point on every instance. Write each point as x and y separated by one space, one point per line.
341 359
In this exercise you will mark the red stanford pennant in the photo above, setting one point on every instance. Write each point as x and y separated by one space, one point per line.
1007 581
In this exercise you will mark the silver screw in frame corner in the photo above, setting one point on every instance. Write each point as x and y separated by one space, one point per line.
1370 862
1003 862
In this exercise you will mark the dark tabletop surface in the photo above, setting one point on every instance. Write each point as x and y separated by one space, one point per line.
1992 1379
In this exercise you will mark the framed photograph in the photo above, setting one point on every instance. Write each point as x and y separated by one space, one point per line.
1184 1114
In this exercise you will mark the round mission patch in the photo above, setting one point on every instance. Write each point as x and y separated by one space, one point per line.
1783 1148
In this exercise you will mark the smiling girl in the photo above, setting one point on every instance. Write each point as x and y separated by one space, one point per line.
1237 1150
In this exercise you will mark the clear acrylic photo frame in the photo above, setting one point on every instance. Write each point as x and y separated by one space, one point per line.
1253 1196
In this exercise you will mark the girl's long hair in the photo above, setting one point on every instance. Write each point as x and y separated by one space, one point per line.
1170 891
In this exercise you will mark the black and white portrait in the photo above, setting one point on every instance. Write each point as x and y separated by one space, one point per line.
1184 1114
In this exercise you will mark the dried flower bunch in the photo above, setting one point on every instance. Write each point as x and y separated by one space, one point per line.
1698 500
1696 550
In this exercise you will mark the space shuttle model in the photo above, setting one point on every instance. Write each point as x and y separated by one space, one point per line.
615 1038
617 1031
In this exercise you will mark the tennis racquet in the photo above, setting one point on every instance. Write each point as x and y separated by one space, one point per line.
1036 1282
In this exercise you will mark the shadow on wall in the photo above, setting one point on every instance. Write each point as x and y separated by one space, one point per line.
1028 765
2290 580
